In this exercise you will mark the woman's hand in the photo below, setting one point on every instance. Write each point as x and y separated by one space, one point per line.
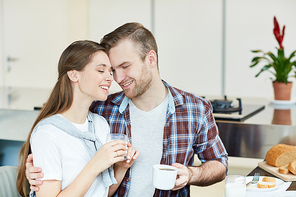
110 153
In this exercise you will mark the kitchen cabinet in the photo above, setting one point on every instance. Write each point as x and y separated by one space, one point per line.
189 35
33 35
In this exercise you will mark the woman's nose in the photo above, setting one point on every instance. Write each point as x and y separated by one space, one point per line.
109 77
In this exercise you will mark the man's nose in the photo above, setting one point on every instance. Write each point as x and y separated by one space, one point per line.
118 76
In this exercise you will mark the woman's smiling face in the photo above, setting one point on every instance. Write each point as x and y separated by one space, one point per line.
95 79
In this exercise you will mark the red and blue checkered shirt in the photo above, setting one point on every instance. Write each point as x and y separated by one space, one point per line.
190 129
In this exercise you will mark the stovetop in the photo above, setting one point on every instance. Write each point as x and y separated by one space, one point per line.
246 112
233 109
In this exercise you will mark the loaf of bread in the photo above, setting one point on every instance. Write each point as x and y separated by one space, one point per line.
284 169
280 155
292 167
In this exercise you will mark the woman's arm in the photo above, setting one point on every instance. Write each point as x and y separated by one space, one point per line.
106 156
119 173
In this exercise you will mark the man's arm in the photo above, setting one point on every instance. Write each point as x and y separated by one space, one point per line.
208 173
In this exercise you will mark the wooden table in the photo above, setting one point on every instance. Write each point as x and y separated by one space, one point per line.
265 173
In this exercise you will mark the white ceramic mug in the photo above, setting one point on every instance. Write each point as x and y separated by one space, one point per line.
164 176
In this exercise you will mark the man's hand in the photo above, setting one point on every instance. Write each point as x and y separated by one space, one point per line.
183 176
32 173
131 156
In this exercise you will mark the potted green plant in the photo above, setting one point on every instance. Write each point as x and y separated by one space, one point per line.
282 66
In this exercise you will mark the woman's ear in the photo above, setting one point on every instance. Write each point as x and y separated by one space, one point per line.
73 75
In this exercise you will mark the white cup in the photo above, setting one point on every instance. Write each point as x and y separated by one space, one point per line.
235 186
116 136
164 176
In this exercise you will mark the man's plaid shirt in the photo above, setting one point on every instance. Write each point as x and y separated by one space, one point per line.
190 128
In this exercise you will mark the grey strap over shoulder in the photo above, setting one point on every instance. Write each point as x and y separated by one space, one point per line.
90 140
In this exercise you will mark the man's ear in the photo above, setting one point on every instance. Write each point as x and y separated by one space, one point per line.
152 58
73 75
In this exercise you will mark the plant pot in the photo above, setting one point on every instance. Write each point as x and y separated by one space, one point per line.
282 91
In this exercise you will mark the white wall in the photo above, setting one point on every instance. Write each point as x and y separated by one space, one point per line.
105 16
249 26
77 20
189 36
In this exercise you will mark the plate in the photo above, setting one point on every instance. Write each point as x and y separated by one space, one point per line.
283 102
279 183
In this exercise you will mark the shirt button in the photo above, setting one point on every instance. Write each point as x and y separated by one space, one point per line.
127 180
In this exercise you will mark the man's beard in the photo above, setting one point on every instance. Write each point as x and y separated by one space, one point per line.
141 85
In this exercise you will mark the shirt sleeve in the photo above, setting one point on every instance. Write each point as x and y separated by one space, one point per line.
47 155
208 144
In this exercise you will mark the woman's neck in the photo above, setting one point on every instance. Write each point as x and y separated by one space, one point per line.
78 111
75 115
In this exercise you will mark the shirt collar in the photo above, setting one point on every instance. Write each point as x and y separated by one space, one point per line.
171 106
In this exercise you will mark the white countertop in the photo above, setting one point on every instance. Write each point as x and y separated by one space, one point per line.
272 114
17 114
16 124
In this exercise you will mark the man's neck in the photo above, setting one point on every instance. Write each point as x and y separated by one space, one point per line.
153 97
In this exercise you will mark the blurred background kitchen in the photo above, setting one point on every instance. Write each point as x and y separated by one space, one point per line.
204 47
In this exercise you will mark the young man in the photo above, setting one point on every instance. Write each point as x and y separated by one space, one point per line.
166 125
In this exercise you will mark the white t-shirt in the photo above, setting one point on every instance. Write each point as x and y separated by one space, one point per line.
62 156
147 137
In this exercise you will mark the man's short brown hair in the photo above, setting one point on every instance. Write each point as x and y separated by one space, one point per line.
141 37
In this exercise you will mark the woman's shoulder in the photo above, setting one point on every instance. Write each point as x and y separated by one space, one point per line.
101 127
99 118
46 131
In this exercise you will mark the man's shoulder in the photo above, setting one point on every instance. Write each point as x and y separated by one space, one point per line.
99 119
113 99
189 97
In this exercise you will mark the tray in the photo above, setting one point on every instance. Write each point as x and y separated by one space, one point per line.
274 171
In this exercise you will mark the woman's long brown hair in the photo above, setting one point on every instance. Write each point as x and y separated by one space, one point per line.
75 57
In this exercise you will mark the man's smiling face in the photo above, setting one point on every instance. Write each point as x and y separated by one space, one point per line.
129 71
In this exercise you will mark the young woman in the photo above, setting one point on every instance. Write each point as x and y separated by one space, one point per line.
68 141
